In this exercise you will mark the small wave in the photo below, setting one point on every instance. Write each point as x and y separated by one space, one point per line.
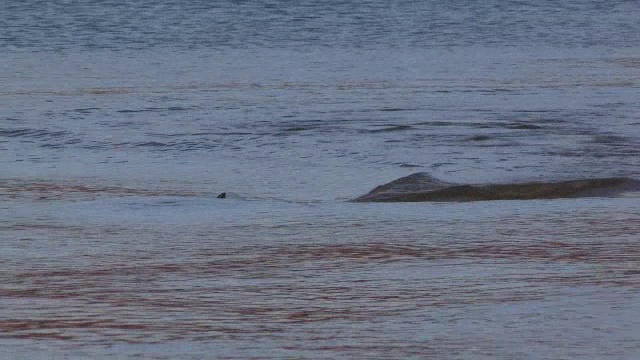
610 140
480 137
31 133
522 126
423 187
152 109
41 190
391 128
128 111
85 110
108 90
394 109
152 144
631 62
177 108
184 145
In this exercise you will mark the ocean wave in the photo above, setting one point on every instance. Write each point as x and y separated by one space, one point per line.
423 187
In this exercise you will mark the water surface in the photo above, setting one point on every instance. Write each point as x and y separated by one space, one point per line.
120 123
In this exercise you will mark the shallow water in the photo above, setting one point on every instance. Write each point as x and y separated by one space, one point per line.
540 278
121 123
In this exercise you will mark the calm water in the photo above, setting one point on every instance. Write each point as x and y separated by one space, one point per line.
121 121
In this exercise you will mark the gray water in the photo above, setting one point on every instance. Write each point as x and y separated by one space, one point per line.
120 122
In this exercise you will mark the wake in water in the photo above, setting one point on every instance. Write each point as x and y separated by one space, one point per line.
423 187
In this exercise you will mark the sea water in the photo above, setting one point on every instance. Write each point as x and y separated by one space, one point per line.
121 121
